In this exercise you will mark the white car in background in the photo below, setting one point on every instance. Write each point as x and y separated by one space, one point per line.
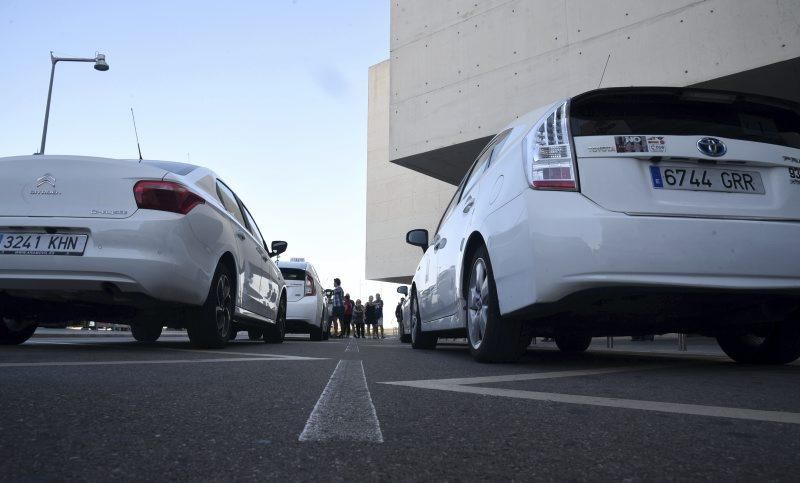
147 243
623 211
404 327
306 312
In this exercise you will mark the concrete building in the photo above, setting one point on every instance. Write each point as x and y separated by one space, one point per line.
460 70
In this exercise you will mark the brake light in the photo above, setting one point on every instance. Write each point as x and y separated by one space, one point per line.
311 289
549 162
165 196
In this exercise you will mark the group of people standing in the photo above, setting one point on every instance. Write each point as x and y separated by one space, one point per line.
348 317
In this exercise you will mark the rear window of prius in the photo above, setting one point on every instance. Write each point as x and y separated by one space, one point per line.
293 274
686 112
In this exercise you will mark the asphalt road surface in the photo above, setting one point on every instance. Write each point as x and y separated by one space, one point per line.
100 408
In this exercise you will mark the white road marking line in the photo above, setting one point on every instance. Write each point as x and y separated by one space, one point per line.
38 342
352 346
463 386
158 361
519 377
252 354
201 351
344 411
674 408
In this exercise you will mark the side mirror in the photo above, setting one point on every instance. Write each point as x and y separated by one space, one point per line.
403 290
278 247
418 238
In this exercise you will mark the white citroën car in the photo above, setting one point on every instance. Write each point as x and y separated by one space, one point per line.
148 243
623 211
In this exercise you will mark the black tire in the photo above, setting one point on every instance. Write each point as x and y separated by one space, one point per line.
146 333
778 344
404 338
233 334
13 332
275 333
326 333
419 339
573 344
318 333
315 334
255 334
214 323
491 337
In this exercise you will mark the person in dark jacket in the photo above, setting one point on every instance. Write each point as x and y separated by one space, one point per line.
348 316
358 319
369 315
378 317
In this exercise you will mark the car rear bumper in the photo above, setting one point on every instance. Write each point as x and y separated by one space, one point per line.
303 312
152 254
551 245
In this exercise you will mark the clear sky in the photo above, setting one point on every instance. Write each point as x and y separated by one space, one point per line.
270 94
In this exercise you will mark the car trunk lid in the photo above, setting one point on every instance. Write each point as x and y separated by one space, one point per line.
295 283
684 152
71 186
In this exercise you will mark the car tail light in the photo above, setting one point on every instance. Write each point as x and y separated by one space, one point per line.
311 289
165 196
549 162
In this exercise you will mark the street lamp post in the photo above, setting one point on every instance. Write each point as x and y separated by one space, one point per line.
99 64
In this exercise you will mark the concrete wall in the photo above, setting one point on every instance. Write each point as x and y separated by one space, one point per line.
398 199
462 69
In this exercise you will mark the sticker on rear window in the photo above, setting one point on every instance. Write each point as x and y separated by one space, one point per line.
656 144
602 149
794 175
630 144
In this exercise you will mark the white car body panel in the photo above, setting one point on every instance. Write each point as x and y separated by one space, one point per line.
632 192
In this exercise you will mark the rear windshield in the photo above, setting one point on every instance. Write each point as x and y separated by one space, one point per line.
293 274
686 112
181 169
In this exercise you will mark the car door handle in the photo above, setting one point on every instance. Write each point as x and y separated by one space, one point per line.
440 244
240 235
468 206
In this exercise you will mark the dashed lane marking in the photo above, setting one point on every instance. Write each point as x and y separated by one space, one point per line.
465 385
344 411
352 346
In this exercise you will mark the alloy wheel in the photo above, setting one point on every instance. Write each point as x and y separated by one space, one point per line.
477 303
223 308
414 319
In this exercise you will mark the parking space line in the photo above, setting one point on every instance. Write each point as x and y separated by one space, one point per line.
344 411
521 377
466 385
251 354
157 361
49 342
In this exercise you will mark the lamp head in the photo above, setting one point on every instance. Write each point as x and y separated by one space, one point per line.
100 63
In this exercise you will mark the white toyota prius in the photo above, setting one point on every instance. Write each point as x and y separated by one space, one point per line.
623 211
147 243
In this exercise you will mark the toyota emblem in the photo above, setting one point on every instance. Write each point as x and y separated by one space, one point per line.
711 147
